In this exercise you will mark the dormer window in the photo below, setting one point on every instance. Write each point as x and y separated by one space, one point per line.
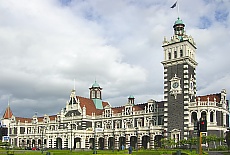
128 110
108 113
45 120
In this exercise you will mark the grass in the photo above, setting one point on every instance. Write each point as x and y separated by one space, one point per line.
101 152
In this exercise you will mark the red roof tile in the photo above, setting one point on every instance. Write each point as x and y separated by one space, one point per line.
90 107
211 97
8 113
52 118
23 120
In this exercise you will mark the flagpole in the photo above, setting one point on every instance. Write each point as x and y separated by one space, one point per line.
178 8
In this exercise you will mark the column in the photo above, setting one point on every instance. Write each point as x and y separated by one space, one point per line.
116 142
96 142
139 141
214 117
152 136
106 141
208 117
66 143
87 142
224 119
127 142
83 139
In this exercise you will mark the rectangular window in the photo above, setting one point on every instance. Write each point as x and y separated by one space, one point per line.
175 54
169 55
181 53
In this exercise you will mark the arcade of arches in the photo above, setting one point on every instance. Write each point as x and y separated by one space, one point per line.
98 141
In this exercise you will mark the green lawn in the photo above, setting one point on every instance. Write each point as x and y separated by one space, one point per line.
101 152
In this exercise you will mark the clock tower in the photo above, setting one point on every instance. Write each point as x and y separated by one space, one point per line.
179 81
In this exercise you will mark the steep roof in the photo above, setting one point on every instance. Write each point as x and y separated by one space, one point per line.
90 107
8 113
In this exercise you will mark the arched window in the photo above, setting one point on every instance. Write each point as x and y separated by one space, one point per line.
93 94
98 94
194 117
204 115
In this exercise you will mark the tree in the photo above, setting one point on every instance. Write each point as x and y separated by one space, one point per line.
227 138
211 138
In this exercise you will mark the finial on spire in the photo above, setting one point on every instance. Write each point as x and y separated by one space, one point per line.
74 85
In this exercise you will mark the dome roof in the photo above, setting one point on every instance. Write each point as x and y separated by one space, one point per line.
178 21
131 96
95 85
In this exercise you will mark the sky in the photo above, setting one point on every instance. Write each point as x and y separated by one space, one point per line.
47 45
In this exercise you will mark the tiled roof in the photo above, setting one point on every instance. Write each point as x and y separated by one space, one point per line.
211 97
104 104
137 107
23 120
40 119
8 113
90 107
118 109
140 107
53 117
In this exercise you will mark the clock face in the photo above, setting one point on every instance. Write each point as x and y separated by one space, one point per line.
175 85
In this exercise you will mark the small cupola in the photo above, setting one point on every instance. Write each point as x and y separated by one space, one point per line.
95 91
179 28
131 99
95 95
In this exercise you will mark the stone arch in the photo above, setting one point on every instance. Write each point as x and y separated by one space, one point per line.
145 141
101 143
77 143
122 142
58 143
39 143
133 141
28 143
204 115
33 143
91 143
157 140
23 143
193 116
111 141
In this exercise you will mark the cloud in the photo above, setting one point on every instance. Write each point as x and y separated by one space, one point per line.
45 45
